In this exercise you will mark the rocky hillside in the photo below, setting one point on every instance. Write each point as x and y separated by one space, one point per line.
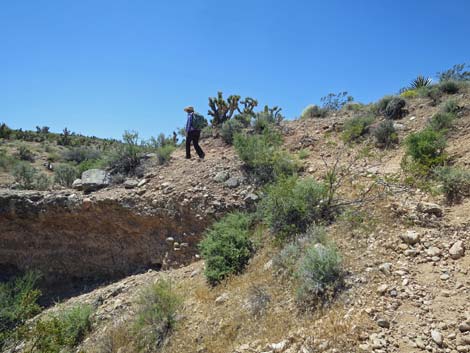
404 248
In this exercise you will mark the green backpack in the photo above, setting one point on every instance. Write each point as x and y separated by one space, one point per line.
199 122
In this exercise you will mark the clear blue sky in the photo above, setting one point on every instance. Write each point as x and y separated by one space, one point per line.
100 67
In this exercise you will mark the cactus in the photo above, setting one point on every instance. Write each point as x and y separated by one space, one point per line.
222 110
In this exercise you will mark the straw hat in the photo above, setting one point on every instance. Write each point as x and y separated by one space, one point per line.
189 109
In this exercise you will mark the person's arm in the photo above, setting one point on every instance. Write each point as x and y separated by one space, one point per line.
189 122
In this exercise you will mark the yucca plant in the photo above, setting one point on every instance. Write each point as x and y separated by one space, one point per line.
420 81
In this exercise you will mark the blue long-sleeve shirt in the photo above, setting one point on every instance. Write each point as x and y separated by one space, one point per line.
189 122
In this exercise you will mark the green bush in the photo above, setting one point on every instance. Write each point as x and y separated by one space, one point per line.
207 132
25 175
449 87
7 162
456 73
164 153
450 106
25 154
267 118
156 315
455 183
81 154
93 164
441 121
262 156
60 332
335 101
18 303
229 129
286 260
303 153
320 274
65 175
385 134
426 148
391 107
5 131
433 92
227 247
409 93
125 159
42 182
313 111
356 127
291 205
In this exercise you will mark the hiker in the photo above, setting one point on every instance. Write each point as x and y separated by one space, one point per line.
192 134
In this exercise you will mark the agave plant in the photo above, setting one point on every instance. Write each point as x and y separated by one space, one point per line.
420 81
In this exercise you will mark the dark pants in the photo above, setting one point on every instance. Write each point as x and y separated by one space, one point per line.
193 136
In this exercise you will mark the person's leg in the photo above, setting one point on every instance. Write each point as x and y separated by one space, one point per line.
188 145
198 148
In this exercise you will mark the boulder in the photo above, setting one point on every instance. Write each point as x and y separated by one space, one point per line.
77 184
94 179
220 177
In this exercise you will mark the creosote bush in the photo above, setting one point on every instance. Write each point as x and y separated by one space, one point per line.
426 150
25 154
292 204
441 121
65 175
156 315
449 87
385 134
227 247
313 111
455 183
356 127
164 153
263 158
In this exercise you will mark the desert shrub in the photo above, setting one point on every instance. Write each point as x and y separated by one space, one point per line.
42 182
450 106
81 154
156 315
25 154
456 73
291 205
303 153
207 132
262 156
61 331
441 121
381 105
258 300
409 93
18 303
227 247
319 274
65 175
93 164
229 129
455 183
335 101
356 127
420 81
394 109
116 339
244 119
449 87
126 158
385 134
433 92
25 175
313 111
164 153
5 131
6 161
426 148
286 259
267 118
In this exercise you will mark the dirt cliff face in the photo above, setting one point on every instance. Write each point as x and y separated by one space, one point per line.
72 239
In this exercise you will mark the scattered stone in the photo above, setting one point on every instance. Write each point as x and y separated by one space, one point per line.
382 289
382 322
430 208
130 183
385 268
142 182
220 177
457 250
464 327
410 237
221 299
433 251
233 182
77 184
437 337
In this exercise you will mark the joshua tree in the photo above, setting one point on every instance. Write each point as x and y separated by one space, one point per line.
248 105
222 110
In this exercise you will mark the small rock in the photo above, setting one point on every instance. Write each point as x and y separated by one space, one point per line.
457 250
433 251
410 237
220 177
130 183
382 289
437 337
221 299
385 268
233 182
142 182
382 322
464 327
430 208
